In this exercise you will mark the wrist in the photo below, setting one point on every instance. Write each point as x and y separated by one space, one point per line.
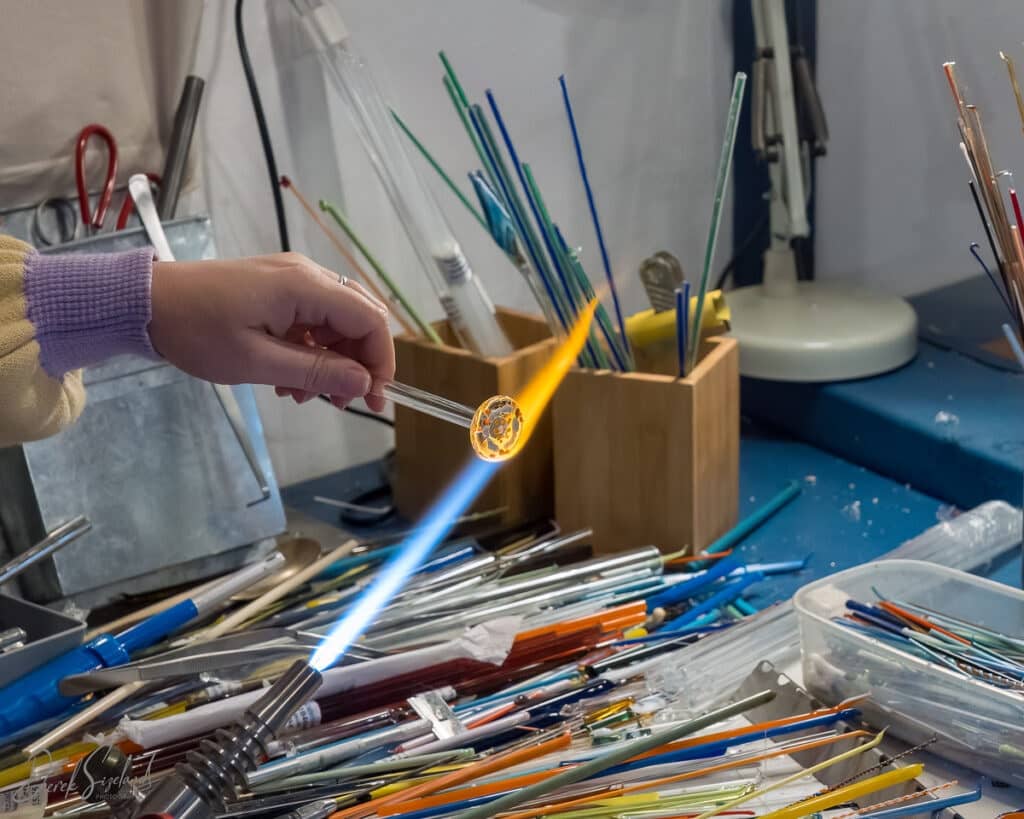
157 274
89 307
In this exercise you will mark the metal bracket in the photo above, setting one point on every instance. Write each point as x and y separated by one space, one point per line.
432 707
791 699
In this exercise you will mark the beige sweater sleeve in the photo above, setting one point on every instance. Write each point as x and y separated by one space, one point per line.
33 405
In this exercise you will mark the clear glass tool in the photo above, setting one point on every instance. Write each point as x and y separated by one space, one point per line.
495 427
467 306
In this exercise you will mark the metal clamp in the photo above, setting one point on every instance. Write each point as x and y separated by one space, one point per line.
211 656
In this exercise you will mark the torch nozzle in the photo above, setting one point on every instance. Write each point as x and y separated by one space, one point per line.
210 776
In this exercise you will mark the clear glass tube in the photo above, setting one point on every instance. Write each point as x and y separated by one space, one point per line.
467 306
429 403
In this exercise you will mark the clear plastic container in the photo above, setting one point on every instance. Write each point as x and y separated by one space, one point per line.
977 725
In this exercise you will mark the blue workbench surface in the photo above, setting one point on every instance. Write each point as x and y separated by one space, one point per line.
944 423
845 515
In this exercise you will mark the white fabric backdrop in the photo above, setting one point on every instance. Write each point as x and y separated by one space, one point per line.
893 207
650 81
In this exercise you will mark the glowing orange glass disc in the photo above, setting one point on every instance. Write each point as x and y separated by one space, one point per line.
496 428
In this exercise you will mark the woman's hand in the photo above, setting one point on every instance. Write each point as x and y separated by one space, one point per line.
280 320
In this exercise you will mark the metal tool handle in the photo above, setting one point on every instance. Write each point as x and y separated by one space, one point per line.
142 195
658 278
138 187
93 221
177 150
55 540
210 662
229 404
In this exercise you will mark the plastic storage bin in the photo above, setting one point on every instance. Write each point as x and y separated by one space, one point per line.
977 725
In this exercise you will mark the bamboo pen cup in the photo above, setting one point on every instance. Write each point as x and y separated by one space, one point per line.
645 458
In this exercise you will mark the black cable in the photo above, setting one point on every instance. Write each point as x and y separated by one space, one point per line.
741 251
361 519
357 517
268 155
369 416
261 122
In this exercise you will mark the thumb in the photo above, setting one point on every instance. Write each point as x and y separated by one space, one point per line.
315 370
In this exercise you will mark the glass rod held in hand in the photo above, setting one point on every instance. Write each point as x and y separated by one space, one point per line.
467 306
494 427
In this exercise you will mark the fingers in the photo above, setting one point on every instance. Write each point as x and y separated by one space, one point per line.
304 336
330 336
320 300
327 338
298 396
374 400
353 285
305 372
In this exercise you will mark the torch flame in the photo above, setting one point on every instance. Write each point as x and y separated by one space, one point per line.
536 395
456 498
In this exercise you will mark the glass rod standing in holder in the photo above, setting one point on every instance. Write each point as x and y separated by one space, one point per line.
467 306
495 427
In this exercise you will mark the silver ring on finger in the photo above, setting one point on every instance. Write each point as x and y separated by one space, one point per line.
342 280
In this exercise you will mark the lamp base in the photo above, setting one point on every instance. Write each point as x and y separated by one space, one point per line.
820 331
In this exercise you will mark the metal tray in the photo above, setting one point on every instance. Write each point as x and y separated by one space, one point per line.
152 462
49 635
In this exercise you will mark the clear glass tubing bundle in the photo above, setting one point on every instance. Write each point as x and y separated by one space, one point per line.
469 310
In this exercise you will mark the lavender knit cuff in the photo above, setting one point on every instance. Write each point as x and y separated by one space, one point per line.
89 307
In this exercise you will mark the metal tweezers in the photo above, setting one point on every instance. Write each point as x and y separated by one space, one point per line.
211 656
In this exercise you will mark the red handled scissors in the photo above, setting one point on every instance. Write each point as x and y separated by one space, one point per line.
93 219
54 221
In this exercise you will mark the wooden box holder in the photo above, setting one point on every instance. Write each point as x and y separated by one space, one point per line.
429 452
645 458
